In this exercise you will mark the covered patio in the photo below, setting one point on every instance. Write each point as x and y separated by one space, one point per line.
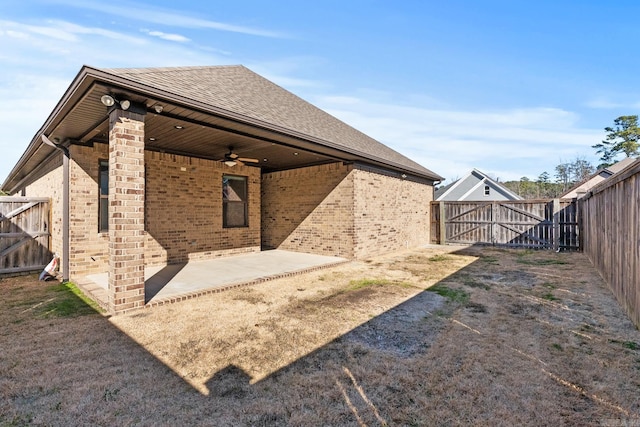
170 166
177 282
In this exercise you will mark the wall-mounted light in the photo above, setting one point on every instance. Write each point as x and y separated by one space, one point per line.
110 101
404 176
158 108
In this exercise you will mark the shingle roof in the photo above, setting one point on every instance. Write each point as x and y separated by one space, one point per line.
461 189
238 90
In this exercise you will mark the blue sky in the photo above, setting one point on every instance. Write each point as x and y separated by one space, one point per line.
509 87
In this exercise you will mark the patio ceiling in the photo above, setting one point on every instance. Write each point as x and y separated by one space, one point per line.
180 130
189 125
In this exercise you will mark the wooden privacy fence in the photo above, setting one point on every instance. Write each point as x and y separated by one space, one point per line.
612 235
537 224
24 234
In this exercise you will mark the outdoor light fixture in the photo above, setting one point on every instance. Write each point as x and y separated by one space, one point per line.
230 163
179 127
110 101
158 108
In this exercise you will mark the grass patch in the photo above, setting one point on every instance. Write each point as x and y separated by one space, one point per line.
556 346
489 260
439 257
540 261
523 253
631 345
355 285
68 301
473 283
549 297
455 295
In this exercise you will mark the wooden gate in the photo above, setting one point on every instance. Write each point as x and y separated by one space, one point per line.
537 224
24 234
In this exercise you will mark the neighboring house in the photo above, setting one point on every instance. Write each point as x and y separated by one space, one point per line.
474 187
597 177
163 165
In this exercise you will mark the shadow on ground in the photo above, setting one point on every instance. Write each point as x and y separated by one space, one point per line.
509 339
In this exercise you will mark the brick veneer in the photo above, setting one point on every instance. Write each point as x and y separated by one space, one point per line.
49 184
89 249
184 210
344 210
390 213
126 210
309 210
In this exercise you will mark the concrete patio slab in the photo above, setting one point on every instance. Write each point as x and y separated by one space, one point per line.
176 282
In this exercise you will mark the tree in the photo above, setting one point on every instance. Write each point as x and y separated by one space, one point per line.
543 183
621 138
580 169
563 175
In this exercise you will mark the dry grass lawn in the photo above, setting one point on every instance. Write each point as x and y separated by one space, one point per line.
435 336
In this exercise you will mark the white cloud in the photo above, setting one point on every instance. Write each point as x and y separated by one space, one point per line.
508 144
165 17
165 36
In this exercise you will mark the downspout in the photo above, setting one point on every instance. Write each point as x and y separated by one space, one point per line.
65 205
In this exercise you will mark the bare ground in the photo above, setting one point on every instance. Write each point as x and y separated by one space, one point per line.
436 336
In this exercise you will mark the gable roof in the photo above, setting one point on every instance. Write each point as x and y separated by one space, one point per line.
464 187
597 177
233 93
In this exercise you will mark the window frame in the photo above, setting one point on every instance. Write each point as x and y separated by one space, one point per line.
226 202
103 166
487 190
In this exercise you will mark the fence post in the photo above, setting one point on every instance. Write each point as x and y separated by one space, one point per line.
556 225
494 223
443 224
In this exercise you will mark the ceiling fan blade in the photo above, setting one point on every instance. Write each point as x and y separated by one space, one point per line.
248 160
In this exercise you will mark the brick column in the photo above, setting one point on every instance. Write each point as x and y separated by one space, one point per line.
126 210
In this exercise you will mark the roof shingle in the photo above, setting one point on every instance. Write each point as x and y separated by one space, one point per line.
240 91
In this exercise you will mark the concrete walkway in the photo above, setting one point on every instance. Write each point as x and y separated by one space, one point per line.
176 282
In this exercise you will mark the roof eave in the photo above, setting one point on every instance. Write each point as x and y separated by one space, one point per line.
89 75
10 183
129 84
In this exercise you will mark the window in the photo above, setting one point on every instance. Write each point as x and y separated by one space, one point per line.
234 201
103 200
487 190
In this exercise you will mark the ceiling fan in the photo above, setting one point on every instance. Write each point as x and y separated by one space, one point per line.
231 159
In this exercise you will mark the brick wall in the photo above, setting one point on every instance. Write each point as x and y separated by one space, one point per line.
88 249
344 210
309 210
183 210
390 213
49 184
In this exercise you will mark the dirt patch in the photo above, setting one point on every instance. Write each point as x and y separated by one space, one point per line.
436 336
